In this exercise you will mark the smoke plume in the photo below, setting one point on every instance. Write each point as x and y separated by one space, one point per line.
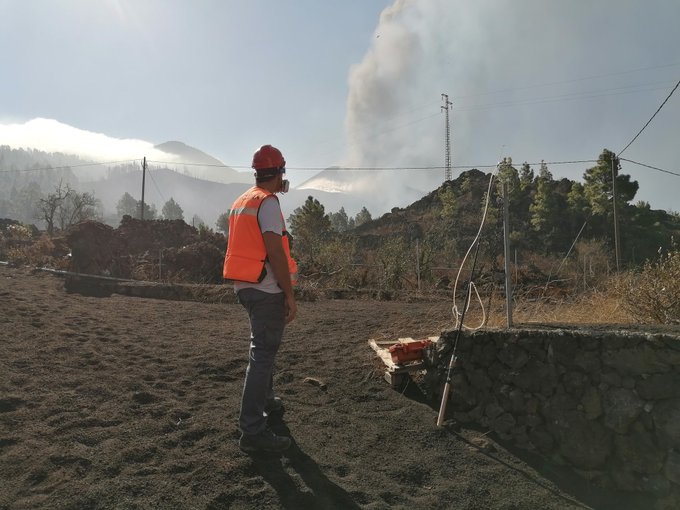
529 79
49 135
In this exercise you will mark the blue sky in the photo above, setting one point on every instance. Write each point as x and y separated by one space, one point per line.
333 82
224 76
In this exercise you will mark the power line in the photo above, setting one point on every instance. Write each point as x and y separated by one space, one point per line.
673 64
650 166
588 94
69 166
156 186
434 167
575 96
318 169
650 120
213 165
353 141
567 97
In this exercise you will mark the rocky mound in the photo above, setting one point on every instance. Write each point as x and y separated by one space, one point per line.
167 250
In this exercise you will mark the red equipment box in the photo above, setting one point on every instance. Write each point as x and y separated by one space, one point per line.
411 351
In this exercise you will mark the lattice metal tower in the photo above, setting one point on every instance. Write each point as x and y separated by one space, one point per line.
447 158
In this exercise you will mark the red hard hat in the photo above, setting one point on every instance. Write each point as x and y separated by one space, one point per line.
267 157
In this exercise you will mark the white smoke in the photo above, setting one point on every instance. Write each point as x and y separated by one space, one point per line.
382 88
49 135
530 79
393 115
422 49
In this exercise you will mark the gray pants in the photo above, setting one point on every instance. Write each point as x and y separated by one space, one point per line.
267 313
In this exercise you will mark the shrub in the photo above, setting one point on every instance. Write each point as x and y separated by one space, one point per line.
652 295
42 252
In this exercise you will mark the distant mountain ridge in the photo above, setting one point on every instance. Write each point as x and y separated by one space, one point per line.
207 199
378 191
198 164
187 153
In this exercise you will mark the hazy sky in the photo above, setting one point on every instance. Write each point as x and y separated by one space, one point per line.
334 82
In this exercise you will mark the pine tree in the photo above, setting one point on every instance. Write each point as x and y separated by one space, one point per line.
222 223
126 205
309 219
362 217
150 211
172 211
339 220
526 177
598 185
309 225
544 209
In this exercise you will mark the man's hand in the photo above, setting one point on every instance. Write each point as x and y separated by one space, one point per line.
291 309
279 264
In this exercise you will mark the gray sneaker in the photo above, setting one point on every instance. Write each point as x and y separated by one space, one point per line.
265 441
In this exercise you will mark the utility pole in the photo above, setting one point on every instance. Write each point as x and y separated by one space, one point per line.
418 262
143 181
448 105
506 244
617 242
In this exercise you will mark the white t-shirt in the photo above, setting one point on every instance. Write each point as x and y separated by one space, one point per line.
270 220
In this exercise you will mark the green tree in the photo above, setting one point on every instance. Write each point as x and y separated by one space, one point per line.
362 217
598 185
339 220
172 211
544 208
126 205
150 211
27 205
222 223
526 177
598 190
449 201
519 201
396 259
309 225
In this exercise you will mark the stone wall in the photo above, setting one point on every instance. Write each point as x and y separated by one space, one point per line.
607 403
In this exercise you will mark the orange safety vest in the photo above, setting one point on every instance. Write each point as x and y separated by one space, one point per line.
246 252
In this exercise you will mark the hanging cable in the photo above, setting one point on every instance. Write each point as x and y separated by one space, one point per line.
650 120
460 319
156 186
377 168
550 275
458 315
650 166
64 167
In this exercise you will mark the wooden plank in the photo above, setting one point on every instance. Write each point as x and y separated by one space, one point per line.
383 353
393 379
386 356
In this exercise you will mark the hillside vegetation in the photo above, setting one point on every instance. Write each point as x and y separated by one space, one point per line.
561 242
547 218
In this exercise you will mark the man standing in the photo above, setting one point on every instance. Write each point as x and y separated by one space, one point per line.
258 260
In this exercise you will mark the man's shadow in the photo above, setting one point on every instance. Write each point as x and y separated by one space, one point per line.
297 479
